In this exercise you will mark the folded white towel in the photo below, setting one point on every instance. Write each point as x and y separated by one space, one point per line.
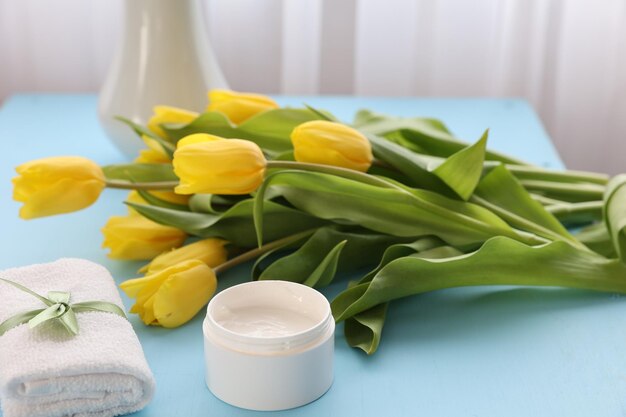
101 372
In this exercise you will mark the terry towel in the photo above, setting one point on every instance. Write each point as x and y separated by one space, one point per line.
46 372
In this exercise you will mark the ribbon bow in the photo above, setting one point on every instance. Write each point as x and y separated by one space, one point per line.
59 308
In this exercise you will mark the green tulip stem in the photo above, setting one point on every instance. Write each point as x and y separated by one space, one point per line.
586 207
546 201
127 185
526 224
568 191
255 253
526 172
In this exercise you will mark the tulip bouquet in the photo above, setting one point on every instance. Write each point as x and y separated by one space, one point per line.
309 198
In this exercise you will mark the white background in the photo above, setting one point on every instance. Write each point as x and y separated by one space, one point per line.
567 57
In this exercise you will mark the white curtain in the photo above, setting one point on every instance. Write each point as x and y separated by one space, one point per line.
567 57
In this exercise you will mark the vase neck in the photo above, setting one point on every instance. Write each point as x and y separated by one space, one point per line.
163 21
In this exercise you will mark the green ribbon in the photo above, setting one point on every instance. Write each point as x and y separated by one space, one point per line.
58 308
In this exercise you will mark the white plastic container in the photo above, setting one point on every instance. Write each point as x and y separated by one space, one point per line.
269 345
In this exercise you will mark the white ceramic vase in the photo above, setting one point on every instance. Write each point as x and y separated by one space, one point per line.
164 57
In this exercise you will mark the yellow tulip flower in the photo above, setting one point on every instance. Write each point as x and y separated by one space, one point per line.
138 238
224 166
172 296
330 143
57 185
134 197
210 251
154 154
167 114
197 138
239 107
150 156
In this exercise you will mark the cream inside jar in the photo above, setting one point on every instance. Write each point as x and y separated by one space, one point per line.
261 321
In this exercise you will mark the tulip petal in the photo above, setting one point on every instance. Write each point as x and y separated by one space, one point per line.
231 166
239 107
150 156
57 185
183 294
197 138
331 143
135 237
210 251
167 114
148 317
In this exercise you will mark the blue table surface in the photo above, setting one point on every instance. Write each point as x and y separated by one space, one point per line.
491 351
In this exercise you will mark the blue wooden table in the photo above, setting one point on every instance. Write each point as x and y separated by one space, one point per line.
486 352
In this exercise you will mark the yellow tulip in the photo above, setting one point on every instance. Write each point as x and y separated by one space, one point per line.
197 138
225 166
167 114
171 197
154 154
138 238
57 185
239 107
172 296
329 143
150 156
210 251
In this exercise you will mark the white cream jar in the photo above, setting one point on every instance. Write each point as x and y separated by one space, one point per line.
268 345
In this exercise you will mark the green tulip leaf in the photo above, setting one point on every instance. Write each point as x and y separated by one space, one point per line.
365 329
285 156
615 213
278 124
214 123
462 170
380 124
362 249
442 146
322 114
396 212
140 172
212 203
260 264
416 167
236 224
500 261
325 271
189 222
137 128
400 250
159 202
597 238
503 194
203 203
167 147
270 130
424 135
